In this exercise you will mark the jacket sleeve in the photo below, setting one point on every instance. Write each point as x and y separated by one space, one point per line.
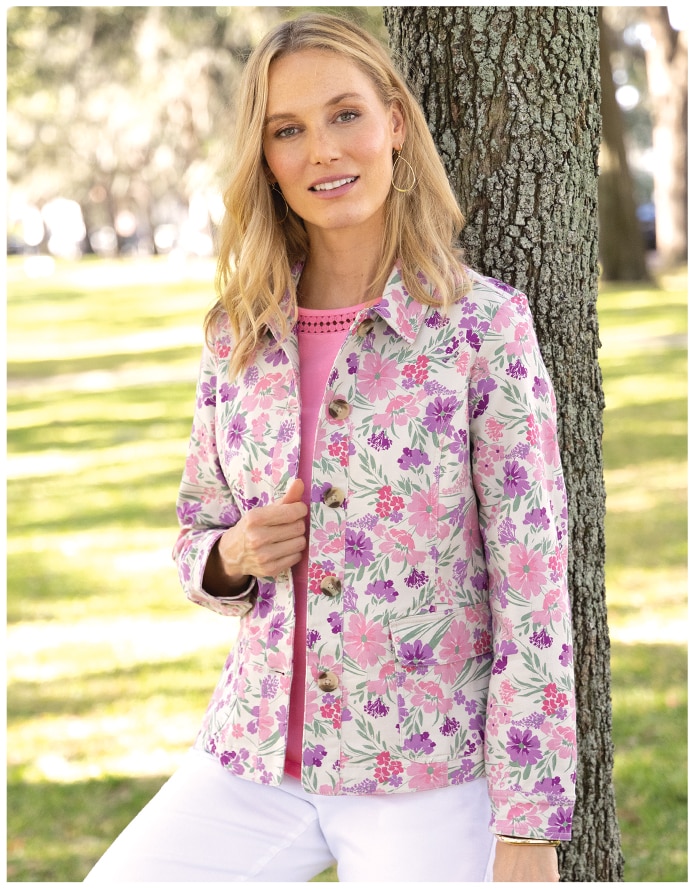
530 736
205 505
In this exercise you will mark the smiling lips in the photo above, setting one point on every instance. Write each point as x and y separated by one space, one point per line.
336 183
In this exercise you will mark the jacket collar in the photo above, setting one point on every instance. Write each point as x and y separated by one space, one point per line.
401 312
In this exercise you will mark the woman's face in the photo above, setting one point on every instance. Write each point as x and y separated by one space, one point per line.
328 141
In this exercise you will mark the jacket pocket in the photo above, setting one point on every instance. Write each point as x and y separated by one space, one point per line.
441 681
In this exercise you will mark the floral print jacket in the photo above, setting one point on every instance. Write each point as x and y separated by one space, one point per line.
438 621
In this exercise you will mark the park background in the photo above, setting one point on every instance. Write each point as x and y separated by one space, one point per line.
115 151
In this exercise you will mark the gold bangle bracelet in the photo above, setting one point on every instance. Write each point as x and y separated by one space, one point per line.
526 841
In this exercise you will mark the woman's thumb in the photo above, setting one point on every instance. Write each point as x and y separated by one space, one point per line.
294 492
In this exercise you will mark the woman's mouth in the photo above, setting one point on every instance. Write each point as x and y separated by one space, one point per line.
336 183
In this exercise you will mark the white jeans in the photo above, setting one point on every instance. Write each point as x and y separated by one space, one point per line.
207 825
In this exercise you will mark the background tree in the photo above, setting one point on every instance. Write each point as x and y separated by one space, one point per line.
667 66
622 247
512 96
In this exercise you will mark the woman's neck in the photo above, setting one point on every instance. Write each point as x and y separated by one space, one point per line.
338 274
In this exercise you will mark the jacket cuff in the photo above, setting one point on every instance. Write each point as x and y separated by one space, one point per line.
524 815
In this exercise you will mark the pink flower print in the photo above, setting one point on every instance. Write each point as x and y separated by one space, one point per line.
503 317
507 691
522 818
563 742
377 377
427 775
425 513
480 370
268 390
456 644
404 321
364 640
484 460
380 686
417 372
551 609
400 546
494 429
328 539
192 463
497 717
256 475
258 427
399 412
554 699
548 442
526 571
429 696
463 363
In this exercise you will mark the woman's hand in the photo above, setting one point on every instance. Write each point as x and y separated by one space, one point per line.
525 864
265 542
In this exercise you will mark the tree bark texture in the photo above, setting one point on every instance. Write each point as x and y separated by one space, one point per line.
622 249
512 97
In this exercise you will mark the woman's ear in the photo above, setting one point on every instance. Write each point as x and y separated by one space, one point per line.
398 126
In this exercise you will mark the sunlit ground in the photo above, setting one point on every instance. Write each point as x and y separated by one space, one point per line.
109 668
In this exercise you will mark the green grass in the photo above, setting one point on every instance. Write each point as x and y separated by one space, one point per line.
109 668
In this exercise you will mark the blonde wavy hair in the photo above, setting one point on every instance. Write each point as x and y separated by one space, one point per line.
260 240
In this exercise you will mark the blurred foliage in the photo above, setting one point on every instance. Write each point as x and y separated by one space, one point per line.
128 106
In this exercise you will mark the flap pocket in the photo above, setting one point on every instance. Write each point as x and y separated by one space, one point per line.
424 640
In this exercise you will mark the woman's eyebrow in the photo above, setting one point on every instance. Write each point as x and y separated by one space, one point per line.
336 100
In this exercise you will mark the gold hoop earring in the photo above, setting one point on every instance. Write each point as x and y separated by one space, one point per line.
278 191
411 175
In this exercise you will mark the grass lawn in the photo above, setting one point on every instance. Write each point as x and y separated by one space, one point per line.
109 668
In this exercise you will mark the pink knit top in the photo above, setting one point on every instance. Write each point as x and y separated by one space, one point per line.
321 333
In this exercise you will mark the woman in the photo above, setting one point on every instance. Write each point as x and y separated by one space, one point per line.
373 484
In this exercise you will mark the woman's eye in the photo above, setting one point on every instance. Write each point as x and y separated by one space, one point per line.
285 132
345 116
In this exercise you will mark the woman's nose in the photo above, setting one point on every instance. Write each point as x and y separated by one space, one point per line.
322 147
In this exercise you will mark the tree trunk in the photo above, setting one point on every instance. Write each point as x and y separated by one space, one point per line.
512 96
622 248
667 67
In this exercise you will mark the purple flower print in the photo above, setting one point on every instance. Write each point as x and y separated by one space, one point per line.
412 458
282 716
515 479
235 431
434 321
227 392
416 655
264 602
538 518
567 655
459 444
474 331
276 630
335 621
450 726
187 512
480 581
359 549
293 462
523 747
382 589
234 761
268 686
541 639
251 377
312 636
550 786
517 370
376 708
540 387
438 415
453 345
208 392
462 774
380 441
286 430
507 531
559 824
419 743
416 579
276 356
352 363
314 756
479 397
